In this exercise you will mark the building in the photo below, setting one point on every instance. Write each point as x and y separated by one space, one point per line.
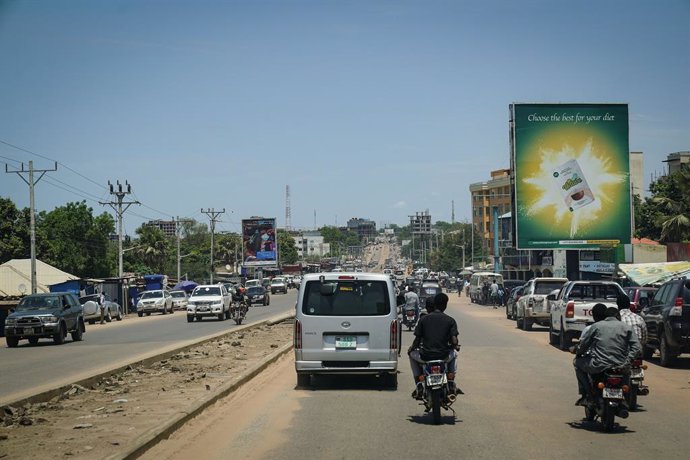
311 244
168 227
637 174
364 228
676 160
485 196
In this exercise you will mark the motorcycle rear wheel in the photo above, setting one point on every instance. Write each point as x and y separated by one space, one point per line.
436 406
608 418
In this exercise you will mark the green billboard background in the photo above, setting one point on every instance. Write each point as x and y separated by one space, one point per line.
572 175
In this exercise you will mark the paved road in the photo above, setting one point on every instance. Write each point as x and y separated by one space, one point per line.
28 369
519 405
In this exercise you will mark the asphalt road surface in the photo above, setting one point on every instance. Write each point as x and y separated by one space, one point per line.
27 369
518 404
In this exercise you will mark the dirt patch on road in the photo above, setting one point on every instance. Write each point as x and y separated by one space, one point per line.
103 419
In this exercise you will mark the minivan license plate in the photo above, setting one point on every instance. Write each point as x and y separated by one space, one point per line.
347 341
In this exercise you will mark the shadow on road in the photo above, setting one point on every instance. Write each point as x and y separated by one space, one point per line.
347 382
596 427
426 419
682 362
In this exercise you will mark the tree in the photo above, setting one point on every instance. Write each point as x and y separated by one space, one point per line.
665 216
286 248
15 240
72 240
153 247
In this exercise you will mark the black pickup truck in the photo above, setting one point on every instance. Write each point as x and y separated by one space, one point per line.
52 316
668 321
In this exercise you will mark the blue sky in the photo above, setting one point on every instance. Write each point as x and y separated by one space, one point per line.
373 109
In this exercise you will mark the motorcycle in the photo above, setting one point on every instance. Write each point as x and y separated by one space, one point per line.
409 318
437 387
637 387
238 310
607 398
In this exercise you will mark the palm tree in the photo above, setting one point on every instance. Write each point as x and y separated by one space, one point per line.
675 221
153 247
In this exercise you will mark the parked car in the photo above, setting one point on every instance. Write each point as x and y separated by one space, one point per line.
258 295
209 300
532 306
511 303
52 316
640 297
154 301
252 283
668 321
571 308
92 309
278 284
179 300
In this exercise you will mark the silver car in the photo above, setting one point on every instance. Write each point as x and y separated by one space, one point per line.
346 323
179 300
158 300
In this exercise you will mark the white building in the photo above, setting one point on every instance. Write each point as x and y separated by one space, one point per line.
308 245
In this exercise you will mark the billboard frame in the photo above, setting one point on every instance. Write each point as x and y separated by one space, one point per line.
253 231
599 134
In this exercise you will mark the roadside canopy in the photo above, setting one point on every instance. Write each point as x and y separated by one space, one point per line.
644 274
185 286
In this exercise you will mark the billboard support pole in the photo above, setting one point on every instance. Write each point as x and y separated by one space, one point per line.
497 265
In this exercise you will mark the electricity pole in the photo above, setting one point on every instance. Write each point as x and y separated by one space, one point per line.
213 216
117 206
32 183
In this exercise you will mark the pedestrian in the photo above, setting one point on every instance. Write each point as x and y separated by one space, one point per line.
101 304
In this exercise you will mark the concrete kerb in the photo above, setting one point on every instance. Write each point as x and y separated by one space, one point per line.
155 435
47 395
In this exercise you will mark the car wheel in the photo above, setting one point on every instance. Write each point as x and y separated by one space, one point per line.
519 322
140 314
221 316
108 316
119 314
526 324
59 336
33 340
564 339
666 356
190 318
148 313
12 342
552 335
78 333
93 321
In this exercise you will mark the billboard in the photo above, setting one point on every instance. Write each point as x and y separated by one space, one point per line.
571 175
259 241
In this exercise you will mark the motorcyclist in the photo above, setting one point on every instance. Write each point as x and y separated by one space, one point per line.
606 344
436 337
411 301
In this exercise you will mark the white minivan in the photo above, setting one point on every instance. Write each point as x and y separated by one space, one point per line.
346 323
477 281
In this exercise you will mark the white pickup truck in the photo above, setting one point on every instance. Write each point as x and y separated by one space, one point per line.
571 308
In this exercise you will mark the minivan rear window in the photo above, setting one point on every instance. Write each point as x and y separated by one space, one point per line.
346 298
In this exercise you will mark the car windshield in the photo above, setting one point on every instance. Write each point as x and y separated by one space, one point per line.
210 290
346 298
277 281
47 302
545 287
178 294
152 295
255 290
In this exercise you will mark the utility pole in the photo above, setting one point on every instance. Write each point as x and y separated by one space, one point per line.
117 206
31 182
213 216
178 221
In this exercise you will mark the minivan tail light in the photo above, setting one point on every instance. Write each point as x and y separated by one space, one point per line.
677 309
346 277
394 334
298 335
570 310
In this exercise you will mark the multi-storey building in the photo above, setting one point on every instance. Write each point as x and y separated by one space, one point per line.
167 226
486 196
310 244
364 228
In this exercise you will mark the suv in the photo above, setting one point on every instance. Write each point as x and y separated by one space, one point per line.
571 308
50 315
668 321
152 301
209 300
278 285
532 306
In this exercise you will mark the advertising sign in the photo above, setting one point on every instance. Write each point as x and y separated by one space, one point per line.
571 175
259 241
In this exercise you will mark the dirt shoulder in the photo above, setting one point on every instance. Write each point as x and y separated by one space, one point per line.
106 418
